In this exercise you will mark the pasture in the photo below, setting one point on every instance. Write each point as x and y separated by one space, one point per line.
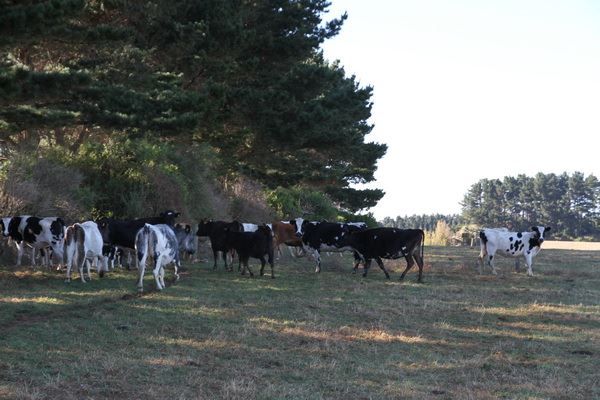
216 334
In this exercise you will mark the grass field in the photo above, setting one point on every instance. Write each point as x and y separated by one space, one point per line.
216 334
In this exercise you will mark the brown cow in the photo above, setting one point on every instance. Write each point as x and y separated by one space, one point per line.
285 233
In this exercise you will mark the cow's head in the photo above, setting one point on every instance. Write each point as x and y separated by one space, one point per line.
185 237
204 227
298 224
4 222
169 217
539 232
103 226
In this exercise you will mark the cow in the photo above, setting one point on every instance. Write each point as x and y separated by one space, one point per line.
257 244
113 255
511 244
83 246
121 233
186 239
321 236
389 243
216 231
160 244
285 233
38 233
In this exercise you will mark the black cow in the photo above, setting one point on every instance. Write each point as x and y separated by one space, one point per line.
390 243
257 244
38 233
217 233
121 233
321 236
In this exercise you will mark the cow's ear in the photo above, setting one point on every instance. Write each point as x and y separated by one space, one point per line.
188 229
547 228
177 214
534 228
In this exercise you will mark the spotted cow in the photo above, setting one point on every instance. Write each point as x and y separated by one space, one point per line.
511 244
321 236
37 233
158 243
83 246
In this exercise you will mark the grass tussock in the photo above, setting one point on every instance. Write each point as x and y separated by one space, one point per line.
216 334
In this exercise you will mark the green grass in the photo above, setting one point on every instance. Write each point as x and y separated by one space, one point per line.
335 335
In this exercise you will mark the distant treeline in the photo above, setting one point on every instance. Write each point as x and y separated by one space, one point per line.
424 221
570 204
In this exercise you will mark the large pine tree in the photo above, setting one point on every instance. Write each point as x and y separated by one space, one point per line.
246 77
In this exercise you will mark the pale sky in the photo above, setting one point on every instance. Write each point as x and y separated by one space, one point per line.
466 90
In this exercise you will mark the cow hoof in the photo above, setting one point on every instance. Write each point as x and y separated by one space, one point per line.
364 275
272 277
67 281
387 277
101 274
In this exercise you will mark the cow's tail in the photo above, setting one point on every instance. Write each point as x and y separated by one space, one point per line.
141 242
483 244
422 244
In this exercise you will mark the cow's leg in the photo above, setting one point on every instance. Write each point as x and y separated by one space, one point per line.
380 263
156 271
20 248
271 263
366 267
482 255
262 265
247 264
491 263
176 266
161 275
33 257
419 260
318 258
216 257
357 261
409 263
141 271
87 266
529 262
69 265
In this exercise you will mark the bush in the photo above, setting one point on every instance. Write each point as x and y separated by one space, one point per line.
296 202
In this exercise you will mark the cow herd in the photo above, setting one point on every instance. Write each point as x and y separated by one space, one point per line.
160 242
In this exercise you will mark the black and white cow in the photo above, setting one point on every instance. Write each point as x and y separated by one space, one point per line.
216 231
113 255
321 236
186 239
511 244
159 243
38 233
389 243
256 244
83 246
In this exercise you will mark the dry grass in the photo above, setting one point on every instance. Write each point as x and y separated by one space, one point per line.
335 335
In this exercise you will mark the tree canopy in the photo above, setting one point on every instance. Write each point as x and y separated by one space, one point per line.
246 78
